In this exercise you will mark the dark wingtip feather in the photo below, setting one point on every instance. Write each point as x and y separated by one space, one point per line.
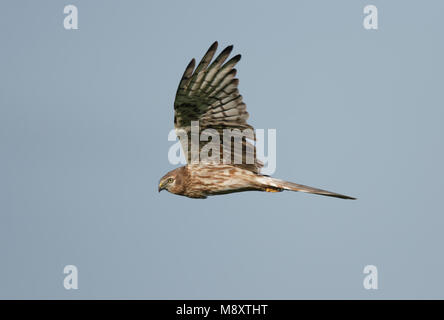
190 67
214 46
226 51
188 71
237 57
191 64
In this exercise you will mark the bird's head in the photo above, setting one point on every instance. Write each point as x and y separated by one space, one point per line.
171 181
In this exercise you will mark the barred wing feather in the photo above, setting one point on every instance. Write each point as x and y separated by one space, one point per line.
209 94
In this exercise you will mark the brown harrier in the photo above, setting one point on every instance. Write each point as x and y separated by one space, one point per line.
209 94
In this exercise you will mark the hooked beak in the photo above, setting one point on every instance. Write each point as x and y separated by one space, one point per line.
161 186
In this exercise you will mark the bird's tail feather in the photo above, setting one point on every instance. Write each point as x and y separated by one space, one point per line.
273 185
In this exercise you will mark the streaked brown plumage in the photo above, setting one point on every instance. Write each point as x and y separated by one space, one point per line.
209 94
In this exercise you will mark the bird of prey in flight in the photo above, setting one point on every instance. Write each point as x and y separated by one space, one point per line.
209 95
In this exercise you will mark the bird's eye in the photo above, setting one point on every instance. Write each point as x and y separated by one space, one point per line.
170 180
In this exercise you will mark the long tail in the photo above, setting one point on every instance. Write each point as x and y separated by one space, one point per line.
275 185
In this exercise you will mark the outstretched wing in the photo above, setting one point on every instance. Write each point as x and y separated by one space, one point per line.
209 94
